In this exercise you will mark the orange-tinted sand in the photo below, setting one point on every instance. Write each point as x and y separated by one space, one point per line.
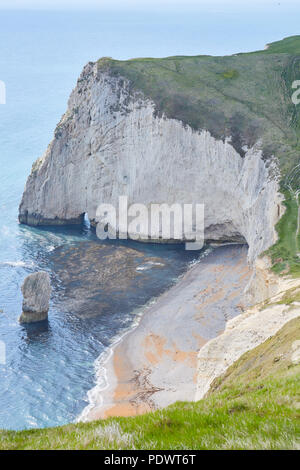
156 364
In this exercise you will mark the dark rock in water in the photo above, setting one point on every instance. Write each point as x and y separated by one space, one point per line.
104 279
36 290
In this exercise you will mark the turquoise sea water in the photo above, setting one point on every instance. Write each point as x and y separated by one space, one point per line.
97 287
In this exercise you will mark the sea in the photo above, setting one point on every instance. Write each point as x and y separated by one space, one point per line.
100 288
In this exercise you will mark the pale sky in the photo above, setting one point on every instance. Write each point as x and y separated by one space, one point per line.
140 4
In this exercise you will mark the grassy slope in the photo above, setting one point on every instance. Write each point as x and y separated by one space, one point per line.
284 252
255 405
245 96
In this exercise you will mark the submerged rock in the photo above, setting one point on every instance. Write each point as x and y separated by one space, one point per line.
36 290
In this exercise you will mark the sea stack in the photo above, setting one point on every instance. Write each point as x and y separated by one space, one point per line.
36 290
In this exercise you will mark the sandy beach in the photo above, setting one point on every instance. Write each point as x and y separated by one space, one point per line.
156 364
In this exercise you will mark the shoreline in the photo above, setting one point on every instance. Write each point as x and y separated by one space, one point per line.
101 367
94 395
155 363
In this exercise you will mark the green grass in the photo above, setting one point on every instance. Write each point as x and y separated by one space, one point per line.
284 253
242 96
245 96
290 296
255 405
290 45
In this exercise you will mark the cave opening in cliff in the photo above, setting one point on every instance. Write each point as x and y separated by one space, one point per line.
86 221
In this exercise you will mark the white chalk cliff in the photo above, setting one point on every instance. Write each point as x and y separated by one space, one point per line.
110 142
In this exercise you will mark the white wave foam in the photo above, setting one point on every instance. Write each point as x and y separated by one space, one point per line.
203 255
94 397
149 265
17 264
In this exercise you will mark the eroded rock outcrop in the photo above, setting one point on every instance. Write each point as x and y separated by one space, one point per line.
264 283
112 142
36 290
244 333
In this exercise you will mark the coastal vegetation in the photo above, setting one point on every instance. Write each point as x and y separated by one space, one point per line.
254 405
284 253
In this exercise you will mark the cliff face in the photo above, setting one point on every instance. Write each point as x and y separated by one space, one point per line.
245 332
112 142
